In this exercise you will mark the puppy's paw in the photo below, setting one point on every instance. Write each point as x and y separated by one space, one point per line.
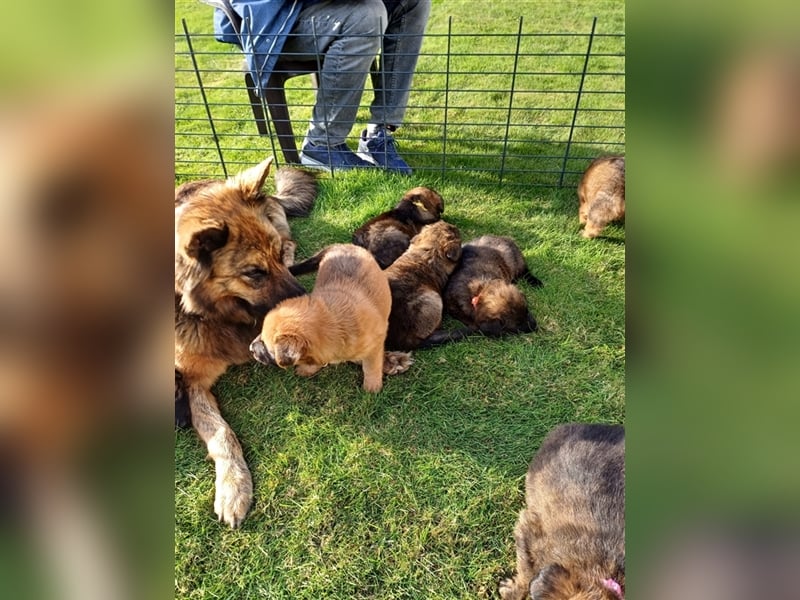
234 494
509 590
590 232
395 363
307 370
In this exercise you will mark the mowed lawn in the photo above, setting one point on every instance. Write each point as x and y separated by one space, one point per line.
412 492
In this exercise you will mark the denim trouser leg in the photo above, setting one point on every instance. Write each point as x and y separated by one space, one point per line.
401 46
348 33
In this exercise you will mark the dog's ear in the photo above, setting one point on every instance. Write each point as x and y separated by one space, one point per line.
529 325
453 251
252 180
203 242
553 581
289 349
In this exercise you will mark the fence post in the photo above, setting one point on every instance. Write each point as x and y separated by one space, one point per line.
205 100
446 94
510 102
577 103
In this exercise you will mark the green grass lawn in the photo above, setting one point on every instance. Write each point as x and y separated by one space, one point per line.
412 492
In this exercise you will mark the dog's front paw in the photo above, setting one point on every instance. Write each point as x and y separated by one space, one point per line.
509 590
234 494
395 363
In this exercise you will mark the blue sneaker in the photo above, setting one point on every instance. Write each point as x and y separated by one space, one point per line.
381 150
339 157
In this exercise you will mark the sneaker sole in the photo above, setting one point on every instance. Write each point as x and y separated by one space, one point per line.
313 163
307 161
365 155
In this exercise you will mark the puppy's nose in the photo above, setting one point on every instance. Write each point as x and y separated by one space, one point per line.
259 351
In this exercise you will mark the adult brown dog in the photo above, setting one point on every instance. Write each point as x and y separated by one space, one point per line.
343 319
417 279
481 292
231 245
570 538
388 235
601 194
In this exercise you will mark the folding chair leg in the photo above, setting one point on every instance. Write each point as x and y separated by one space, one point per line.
256 105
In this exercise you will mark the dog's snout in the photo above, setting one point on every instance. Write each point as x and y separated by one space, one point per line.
259 351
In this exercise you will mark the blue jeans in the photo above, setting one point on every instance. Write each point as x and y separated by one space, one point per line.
350 33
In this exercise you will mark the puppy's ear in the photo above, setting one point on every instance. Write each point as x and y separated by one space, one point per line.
529 325
213 236
553 581
453 251
289 349
252 180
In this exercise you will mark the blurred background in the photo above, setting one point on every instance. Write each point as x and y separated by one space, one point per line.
86 166
713 93
713 122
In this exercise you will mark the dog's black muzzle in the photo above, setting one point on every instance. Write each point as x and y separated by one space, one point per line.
259 351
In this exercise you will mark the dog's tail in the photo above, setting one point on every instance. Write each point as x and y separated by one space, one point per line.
296 190
309 265
440 337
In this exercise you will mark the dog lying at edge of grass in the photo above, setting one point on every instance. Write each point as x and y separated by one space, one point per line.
570 538
345 318
481 292
232 243
388 235
601 194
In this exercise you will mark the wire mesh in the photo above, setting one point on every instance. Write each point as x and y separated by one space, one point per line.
504 108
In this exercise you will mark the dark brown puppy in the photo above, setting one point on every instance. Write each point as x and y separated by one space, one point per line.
343 319
570 538
388 235
417 279
601 194
231 245
481 291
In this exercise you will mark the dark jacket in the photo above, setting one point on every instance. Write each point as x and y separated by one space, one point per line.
259 28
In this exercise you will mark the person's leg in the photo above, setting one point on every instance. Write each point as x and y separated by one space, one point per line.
401 46
347 33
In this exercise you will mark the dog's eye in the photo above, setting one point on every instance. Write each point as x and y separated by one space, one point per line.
255 273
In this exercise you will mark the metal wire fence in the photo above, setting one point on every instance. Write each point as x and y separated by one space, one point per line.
500 108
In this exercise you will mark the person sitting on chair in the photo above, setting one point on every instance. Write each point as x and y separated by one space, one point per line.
348 34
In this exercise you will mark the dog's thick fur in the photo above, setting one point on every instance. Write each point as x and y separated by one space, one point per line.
231 244
481 292
601 194
388 235
417 279
570 538
345 318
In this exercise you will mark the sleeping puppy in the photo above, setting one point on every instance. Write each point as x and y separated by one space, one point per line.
343 319
388 235
417 279
481 291
570 538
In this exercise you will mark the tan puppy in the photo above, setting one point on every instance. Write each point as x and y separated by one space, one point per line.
601 194
345 318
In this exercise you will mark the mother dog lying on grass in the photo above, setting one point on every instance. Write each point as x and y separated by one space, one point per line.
232 243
